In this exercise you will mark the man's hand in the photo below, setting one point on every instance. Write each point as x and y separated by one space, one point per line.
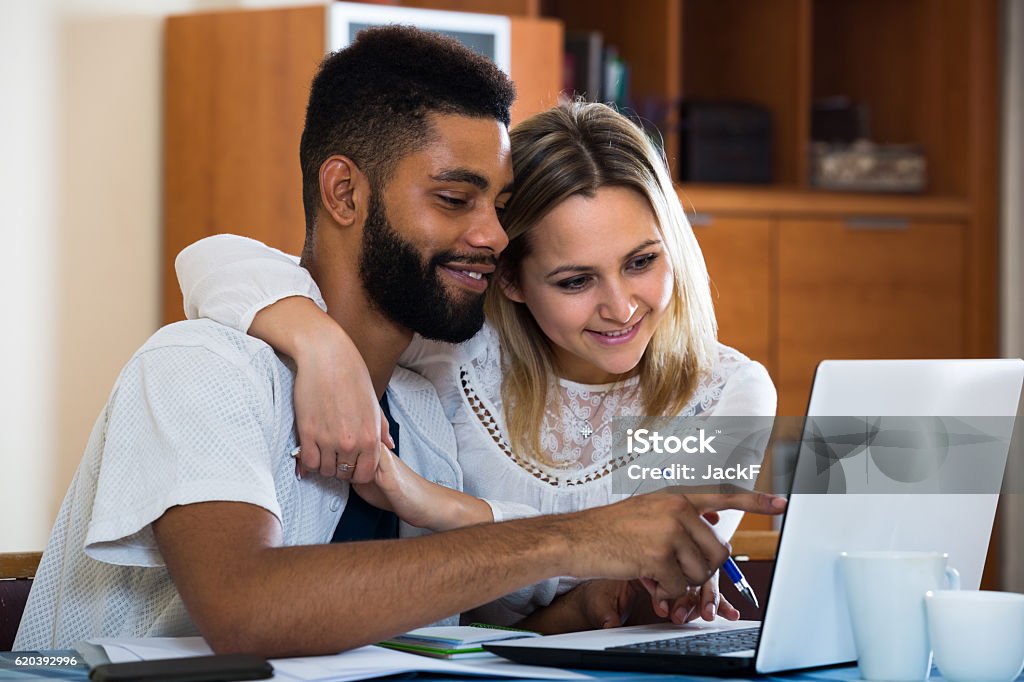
339 421
662 537
417 501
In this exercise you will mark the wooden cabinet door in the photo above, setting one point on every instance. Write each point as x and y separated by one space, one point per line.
740 255
871 288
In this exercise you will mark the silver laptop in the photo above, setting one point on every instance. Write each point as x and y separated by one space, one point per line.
806 623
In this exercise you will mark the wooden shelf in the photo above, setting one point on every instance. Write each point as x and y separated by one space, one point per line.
748 200
756 545
727 55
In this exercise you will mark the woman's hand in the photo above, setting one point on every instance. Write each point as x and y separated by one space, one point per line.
606 603
701 601
591 605
417 501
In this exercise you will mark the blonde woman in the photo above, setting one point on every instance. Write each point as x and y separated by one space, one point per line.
600 307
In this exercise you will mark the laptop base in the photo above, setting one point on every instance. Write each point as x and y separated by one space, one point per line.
719 666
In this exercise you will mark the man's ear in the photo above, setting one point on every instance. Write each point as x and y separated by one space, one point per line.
342 189
510 285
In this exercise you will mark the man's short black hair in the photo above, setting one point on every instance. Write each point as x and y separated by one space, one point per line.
371 100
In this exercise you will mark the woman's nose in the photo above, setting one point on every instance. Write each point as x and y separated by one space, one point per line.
618 304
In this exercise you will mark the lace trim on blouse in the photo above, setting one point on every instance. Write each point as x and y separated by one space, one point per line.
570 455
554 478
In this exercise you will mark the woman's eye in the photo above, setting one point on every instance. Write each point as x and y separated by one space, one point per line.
574 283
643 262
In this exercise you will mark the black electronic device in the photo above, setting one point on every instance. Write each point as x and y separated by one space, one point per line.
225 668
725 142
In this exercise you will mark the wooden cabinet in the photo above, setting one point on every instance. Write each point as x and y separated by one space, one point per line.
740 255
791 291
865 287
799 277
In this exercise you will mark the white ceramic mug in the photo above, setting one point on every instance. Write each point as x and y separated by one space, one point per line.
977 636
885 593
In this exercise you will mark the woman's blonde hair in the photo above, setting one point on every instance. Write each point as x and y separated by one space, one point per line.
577 148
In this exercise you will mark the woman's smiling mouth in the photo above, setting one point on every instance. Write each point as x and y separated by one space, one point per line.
618 336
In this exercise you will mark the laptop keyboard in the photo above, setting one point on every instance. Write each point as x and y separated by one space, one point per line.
708 644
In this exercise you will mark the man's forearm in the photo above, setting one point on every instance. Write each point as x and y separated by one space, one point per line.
247 593
326 598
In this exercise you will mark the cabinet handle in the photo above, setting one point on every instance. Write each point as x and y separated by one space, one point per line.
877 223
701 219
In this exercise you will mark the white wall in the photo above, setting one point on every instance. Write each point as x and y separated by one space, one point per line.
80 103
28 235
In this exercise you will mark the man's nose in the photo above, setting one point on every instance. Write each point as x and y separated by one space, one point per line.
487 233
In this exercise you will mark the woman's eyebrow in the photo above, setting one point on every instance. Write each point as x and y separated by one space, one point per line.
569 267
641 247
572 267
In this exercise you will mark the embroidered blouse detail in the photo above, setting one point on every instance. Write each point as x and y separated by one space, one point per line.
577 432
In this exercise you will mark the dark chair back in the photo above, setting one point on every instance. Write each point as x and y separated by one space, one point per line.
16 573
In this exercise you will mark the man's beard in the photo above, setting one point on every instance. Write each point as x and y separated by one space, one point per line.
409 291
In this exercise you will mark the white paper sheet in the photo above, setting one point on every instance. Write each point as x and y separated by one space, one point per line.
359 664
150 648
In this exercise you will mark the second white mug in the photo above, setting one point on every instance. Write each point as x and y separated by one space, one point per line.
976 636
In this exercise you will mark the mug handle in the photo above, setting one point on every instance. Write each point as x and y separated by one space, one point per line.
953 578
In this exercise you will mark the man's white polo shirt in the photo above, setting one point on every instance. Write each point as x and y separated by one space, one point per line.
200 413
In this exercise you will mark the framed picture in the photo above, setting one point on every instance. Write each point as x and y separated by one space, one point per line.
488 34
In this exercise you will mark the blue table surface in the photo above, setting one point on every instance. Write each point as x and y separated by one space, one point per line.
9 670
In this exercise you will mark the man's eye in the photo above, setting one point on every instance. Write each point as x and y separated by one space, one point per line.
574 283
454 202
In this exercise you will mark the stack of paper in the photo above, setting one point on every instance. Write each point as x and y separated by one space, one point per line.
359 664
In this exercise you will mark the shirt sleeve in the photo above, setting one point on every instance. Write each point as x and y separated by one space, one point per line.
228 279
749 392
184 426
503 510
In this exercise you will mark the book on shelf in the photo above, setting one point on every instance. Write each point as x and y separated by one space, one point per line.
594 70
584 52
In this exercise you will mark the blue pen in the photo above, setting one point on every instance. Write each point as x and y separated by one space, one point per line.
742 586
